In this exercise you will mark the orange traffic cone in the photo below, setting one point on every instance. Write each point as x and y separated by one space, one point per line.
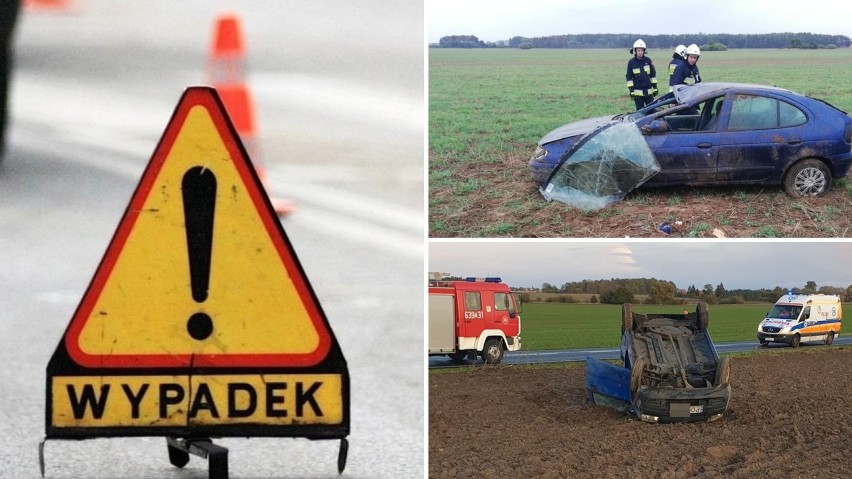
49 6
226 67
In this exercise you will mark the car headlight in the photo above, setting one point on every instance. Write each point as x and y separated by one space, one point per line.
539 153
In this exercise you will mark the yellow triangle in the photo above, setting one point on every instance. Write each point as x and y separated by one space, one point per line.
139 308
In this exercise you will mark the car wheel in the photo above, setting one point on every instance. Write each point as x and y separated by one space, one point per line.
807 178
626 317
723 371
830 338
794 343
636 374
703 315
492 353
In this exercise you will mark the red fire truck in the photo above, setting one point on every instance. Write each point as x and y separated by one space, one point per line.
474 316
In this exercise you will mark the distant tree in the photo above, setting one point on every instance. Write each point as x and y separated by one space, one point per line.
525 46
810 287
720 291
617 296
461 41
548 288
795 43
593 299
662 292
524 297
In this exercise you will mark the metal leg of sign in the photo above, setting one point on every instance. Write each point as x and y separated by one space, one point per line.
177 456
217 456
341 455
41 456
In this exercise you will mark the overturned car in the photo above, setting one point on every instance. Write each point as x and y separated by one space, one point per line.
671 372
704 134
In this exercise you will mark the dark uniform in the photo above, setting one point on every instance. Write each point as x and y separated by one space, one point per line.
641 80
676 60
683 72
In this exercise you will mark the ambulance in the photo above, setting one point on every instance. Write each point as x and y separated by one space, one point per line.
801 318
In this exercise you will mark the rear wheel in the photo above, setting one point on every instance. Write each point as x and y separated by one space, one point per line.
636 374
807 178
492 353
703 315
795 341
829 338
723 371
626 317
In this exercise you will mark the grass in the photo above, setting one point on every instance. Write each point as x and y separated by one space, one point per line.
580 326
489 107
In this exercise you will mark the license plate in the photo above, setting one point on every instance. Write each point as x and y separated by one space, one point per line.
769 340
696 409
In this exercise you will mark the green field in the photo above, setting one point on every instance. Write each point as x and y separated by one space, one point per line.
579 326
489 107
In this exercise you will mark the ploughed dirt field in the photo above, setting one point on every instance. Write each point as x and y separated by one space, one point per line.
513 207
790 416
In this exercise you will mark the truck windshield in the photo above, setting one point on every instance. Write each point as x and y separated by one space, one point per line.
784 311
502 302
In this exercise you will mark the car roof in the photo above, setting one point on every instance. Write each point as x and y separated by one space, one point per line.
687 93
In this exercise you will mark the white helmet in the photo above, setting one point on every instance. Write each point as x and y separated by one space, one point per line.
693 50
681 50
639 44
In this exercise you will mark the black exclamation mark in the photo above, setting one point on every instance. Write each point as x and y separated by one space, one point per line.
199 204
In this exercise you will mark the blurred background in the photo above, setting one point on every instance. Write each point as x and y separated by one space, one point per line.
337 96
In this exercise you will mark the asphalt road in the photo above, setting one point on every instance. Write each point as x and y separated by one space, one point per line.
340 116
570 355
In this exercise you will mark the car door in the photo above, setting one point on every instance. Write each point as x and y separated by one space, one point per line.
688 151
762 135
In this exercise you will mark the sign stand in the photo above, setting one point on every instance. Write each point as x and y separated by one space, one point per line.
199 321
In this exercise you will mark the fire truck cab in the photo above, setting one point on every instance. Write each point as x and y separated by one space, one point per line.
474 316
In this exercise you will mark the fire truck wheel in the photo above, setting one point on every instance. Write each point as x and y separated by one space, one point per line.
626 317
830 338
795 341
492 353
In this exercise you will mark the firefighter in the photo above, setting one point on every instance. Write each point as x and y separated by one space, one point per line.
678 57
641 76
687 70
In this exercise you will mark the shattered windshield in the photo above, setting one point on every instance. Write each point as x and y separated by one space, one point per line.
602 168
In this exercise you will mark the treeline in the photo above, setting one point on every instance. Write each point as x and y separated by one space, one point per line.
615 291
662 42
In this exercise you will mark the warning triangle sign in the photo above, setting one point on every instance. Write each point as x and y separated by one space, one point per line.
199 272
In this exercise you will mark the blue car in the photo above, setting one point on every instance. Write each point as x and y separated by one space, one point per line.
724 134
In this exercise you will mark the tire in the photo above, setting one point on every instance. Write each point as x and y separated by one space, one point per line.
807 178
703 317
794 343
626 317
829 338
492 353
636 375
723 371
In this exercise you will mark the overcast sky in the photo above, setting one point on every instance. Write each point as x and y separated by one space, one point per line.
736 264
493 20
